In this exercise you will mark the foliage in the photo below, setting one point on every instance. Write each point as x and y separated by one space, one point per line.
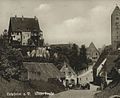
11 60
11 64
83 57
75 56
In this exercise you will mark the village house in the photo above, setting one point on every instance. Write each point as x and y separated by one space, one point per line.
41 71
104 72
110 53
92 52
69 74
100 62
24 32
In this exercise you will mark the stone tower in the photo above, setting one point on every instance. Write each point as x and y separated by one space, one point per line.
115 28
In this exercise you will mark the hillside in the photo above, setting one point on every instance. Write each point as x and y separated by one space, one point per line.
15 86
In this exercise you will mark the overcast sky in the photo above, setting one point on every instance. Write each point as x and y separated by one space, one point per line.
65 21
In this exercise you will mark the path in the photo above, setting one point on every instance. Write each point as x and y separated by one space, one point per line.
79 93
76 93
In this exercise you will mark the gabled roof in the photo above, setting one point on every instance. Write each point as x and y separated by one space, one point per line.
46 70
116 10
92 46
63 69
110 62
23 24
103 55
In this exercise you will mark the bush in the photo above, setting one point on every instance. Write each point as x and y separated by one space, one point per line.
11 64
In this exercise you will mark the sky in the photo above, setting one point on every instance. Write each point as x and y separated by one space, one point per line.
65 21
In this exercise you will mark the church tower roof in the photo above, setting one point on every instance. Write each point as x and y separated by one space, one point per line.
116 10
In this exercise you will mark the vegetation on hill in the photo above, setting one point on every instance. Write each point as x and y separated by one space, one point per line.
15 86
11 67
11 60
75 56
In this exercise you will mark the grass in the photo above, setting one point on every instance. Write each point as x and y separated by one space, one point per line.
15 86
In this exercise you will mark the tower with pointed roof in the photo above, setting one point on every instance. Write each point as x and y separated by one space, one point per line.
115 28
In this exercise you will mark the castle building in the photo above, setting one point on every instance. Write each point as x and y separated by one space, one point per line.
115 28
25 32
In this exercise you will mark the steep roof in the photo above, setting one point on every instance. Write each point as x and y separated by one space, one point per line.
116 10
24 24
110 62
46 70
69 68
103 55
92 46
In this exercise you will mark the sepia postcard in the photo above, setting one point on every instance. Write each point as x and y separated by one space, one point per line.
60 49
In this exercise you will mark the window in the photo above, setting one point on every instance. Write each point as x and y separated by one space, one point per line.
117 18
72 81
67 82
28 35
117 37
116 23
94 57
117 27
17 33
70 73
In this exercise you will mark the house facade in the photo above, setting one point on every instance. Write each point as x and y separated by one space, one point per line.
100 62
25 32
69 74
103 69
92 52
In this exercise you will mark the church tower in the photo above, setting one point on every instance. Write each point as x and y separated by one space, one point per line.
115 28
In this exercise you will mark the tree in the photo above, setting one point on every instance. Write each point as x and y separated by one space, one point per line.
11 65
83 57
74 57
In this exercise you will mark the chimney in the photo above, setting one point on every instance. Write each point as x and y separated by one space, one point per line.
35 18
22 18
15 16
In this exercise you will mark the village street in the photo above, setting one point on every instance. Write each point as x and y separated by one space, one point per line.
86 76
